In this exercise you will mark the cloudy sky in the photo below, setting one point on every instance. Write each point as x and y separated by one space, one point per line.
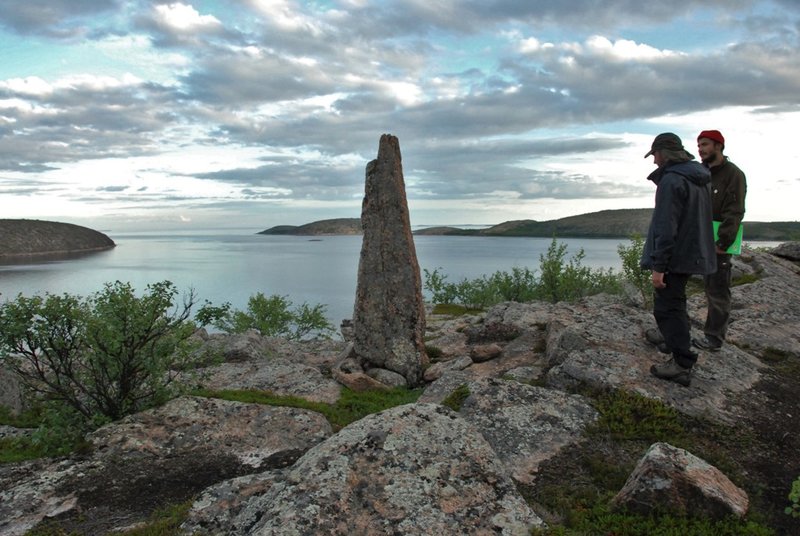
135 115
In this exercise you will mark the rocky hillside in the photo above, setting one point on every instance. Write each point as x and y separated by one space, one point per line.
621 223
29 238
527 409
339 226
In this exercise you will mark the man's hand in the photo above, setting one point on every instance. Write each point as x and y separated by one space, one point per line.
658 280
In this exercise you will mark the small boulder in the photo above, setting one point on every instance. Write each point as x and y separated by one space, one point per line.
485 352
671 479
437 370
387 377
788 250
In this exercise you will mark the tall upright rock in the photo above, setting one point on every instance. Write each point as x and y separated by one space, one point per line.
389 313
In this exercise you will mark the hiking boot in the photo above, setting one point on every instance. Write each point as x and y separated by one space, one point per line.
654 337
673 372
708 343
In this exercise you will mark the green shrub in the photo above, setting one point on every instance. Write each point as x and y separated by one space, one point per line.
518 286
27 419
559 280
96 359
17 449
794 497
272 316
633 273
441 291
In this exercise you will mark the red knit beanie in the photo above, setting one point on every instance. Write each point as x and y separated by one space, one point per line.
715 135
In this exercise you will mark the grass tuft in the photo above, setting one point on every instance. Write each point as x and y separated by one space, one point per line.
745 279
454 309
434 352
629 416
599 519
456 399
165 521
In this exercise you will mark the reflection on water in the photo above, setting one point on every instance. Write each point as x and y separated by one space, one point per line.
45 258
225 267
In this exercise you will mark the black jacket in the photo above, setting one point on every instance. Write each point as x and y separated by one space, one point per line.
681 238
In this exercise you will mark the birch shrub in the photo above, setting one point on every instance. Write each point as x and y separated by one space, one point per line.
557 279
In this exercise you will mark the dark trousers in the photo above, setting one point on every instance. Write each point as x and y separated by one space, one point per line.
669 309
718 297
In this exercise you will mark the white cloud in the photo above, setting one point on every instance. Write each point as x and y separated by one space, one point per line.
91 82
531 44
31 85
624 49
287 16
184 18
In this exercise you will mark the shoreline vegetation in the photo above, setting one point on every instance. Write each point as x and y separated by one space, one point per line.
622 223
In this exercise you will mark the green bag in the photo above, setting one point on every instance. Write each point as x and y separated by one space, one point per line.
736 247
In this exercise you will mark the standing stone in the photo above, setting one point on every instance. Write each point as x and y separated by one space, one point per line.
389 313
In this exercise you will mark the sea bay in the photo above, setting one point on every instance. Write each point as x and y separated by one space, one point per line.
231 265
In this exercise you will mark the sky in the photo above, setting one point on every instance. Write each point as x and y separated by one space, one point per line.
134 115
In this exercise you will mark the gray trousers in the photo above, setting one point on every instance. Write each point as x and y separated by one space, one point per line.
718 297
669 310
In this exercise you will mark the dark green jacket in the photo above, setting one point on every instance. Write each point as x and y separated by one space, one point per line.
728 189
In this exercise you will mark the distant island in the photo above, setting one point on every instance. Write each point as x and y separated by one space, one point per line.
338 226
622 223
20 239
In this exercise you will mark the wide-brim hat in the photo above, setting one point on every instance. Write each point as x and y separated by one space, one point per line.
668 141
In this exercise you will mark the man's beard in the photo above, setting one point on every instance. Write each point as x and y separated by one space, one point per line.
709 158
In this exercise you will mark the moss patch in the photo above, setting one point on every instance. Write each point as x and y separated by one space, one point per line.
456 399
454 310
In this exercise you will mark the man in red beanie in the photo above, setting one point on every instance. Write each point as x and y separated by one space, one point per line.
728 190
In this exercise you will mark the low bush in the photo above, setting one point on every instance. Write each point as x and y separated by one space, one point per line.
633 273
272 316
558 279
88 361
794 497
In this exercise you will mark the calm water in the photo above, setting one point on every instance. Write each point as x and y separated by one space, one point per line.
225 266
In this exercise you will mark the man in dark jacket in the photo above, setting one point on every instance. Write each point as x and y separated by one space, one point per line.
680 242
728 189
